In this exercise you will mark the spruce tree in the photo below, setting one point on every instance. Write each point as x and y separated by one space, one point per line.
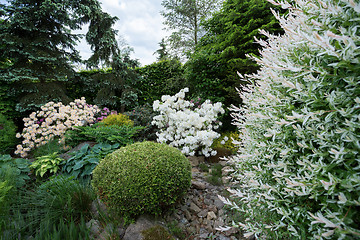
38 40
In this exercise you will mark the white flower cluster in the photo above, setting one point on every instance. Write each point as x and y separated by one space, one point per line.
185 127
53 120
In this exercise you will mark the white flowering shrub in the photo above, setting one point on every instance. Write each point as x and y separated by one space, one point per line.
186 127
52 121
298 172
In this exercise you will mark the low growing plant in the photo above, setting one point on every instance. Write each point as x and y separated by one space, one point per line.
48 164
84 161
17 166
99 133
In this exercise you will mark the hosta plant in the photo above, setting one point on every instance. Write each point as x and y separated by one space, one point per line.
84 161
299 167
50 164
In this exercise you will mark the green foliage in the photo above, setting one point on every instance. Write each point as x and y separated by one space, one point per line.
63 230
215 175
211 71
183 18
37 40
16 169
48 148
155 233
64 198
117 120
143 116
5 194
43 209
7 134
83 162
48 164
144 177
299 166
226 141
165 77
102 134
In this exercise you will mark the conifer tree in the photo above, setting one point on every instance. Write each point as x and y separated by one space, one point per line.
37 38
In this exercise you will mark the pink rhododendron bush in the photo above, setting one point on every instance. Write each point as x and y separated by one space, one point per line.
52 121
298 167
186 127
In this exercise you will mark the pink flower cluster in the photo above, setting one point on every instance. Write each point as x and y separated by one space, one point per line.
53 120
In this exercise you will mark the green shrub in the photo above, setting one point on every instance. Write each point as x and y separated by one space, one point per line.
117 120
7 135
48 164
99 133
299 167
144 177
84 161
143 116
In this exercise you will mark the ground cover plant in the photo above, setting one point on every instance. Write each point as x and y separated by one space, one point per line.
298 165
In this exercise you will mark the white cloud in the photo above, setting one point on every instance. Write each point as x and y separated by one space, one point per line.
140 25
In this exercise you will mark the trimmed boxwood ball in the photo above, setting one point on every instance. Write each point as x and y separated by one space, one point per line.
145 177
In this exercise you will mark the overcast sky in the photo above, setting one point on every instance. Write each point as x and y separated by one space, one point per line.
140 24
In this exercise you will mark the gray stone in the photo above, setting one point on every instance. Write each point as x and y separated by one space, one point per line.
219 223
134 231
218 203
211 215
203 213
198 185
195 161
187 215
94 227
98 208
194 208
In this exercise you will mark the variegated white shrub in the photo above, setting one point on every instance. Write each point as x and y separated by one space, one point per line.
298 168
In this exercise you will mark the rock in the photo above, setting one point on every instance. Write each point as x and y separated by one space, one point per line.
231 231
223 163
98 208
211 215
198 185
134 231
219 223
218 203
203 213
187 215
94 227
195 161
194 208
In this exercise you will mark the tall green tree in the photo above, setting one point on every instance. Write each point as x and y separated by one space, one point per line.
183 18
162 51
38 40
221 52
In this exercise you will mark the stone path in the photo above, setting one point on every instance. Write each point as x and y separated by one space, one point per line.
196 218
